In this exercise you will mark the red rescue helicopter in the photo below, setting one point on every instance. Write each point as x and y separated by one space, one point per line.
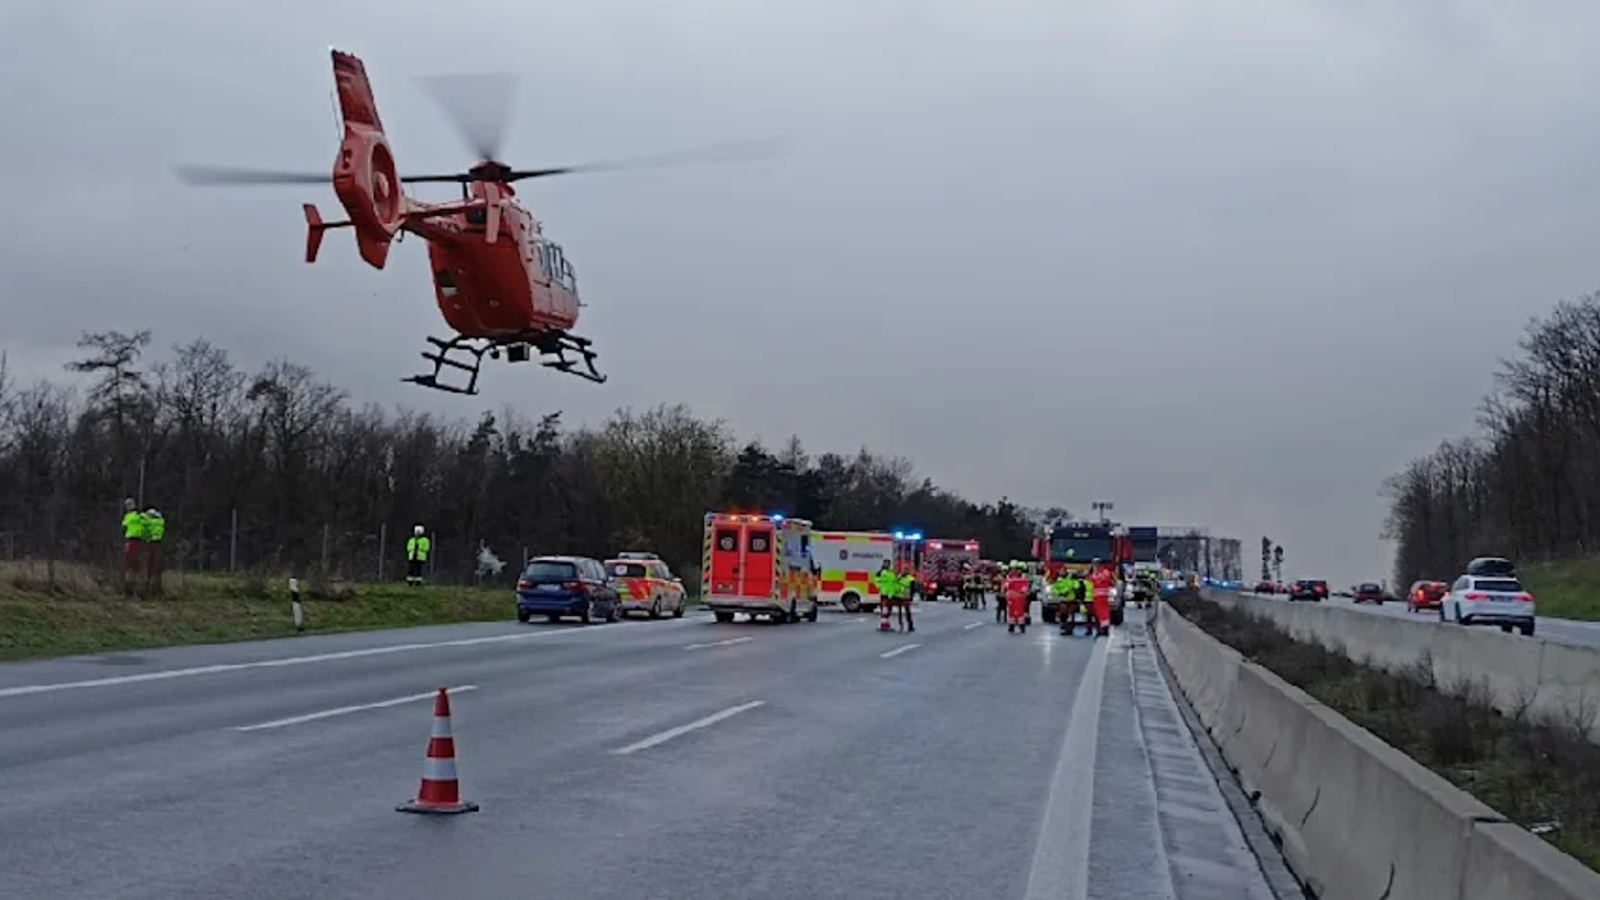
500 283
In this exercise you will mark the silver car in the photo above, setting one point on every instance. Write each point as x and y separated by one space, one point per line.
1489 600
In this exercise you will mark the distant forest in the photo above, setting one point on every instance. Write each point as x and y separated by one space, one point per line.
277 471
1527 485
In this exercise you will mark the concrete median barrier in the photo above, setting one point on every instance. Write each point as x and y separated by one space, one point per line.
1550 681
1355 817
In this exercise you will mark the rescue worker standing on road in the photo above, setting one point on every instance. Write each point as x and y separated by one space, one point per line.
1016 599
155 528
1066 606
1103 579
132 543
417 548
903 598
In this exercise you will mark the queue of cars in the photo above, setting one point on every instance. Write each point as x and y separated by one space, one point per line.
587 589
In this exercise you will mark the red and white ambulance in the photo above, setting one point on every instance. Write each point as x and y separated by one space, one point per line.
759 565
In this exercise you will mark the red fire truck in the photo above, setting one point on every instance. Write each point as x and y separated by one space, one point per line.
1071 547
942 569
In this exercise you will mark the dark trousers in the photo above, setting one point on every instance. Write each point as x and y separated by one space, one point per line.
905 614
414 570
153 563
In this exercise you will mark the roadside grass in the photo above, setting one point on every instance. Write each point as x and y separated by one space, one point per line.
1545 776
1566 588
81 610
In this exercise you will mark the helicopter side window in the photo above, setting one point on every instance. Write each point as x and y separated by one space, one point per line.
568 279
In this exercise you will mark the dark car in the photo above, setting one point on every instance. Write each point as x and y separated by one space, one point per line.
1309 589
1426 595
557 586
1368 592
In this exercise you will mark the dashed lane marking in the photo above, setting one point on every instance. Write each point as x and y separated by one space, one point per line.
345 710
671 733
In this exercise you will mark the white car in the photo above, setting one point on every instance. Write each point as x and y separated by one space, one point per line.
1489 600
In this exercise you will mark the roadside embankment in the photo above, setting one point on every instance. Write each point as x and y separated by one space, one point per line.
1522 677
1363 776
74 610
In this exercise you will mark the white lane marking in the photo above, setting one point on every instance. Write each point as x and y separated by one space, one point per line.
971 625
1060 868
726 643
889 654
671 733
27 689
343 710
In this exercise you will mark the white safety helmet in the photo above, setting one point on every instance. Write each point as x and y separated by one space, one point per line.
417 531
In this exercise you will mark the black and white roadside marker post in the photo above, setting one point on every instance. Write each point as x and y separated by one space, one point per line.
294 605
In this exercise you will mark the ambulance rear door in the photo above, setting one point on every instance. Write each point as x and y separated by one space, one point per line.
757 570
727 550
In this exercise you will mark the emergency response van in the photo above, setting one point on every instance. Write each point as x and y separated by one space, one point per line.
759 565
847 560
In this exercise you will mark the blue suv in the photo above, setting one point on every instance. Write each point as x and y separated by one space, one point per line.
557 586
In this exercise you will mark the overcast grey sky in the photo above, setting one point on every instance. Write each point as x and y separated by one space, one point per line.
1225 263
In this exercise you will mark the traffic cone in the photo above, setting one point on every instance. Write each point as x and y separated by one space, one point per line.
440 793
883 616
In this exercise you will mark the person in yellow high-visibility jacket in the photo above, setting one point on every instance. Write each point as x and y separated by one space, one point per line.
417 548
155 528
903 600
132 542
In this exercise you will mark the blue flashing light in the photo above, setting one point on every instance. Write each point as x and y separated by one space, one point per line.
777 517
915 536
899 535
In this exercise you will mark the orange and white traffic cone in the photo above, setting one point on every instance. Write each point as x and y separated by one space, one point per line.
883 616
440 792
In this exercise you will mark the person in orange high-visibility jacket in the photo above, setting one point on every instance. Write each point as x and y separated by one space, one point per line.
1103 579
1016 587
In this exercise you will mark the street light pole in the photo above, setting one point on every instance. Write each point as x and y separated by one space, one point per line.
1103 507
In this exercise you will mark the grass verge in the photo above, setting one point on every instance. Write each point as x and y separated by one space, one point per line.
1543 776
1567 588
78 611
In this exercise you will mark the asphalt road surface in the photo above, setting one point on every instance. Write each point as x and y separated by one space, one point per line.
1566 631
635 761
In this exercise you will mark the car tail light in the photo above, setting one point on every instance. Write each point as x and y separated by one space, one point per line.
1524 597
1474 595
523 584
577 587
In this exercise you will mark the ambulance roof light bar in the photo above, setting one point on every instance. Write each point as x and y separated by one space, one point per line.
908 535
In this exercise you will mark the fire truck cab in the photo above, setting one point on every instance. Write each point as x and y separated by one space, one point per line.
759 565
1071 547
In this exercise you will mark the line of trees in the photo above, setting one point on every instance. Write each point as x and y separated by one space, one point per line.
1527 485
278 471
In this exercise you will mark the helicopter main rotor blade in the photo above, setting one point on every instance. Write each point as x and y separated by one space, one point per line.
736 151
211 175
479 105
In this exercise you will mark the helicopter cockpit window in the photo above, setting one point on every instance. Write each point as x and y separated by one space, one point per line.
567 277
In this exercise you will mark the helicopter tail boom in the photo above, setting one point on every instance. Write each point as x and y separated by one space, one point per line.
364 174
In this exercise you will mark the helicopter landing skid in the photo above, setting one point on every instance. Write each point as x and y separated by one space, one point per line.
516 348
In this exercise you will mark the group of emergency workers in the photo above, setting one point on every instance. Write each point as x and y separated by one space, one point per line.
1086 600
894 592
142 533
